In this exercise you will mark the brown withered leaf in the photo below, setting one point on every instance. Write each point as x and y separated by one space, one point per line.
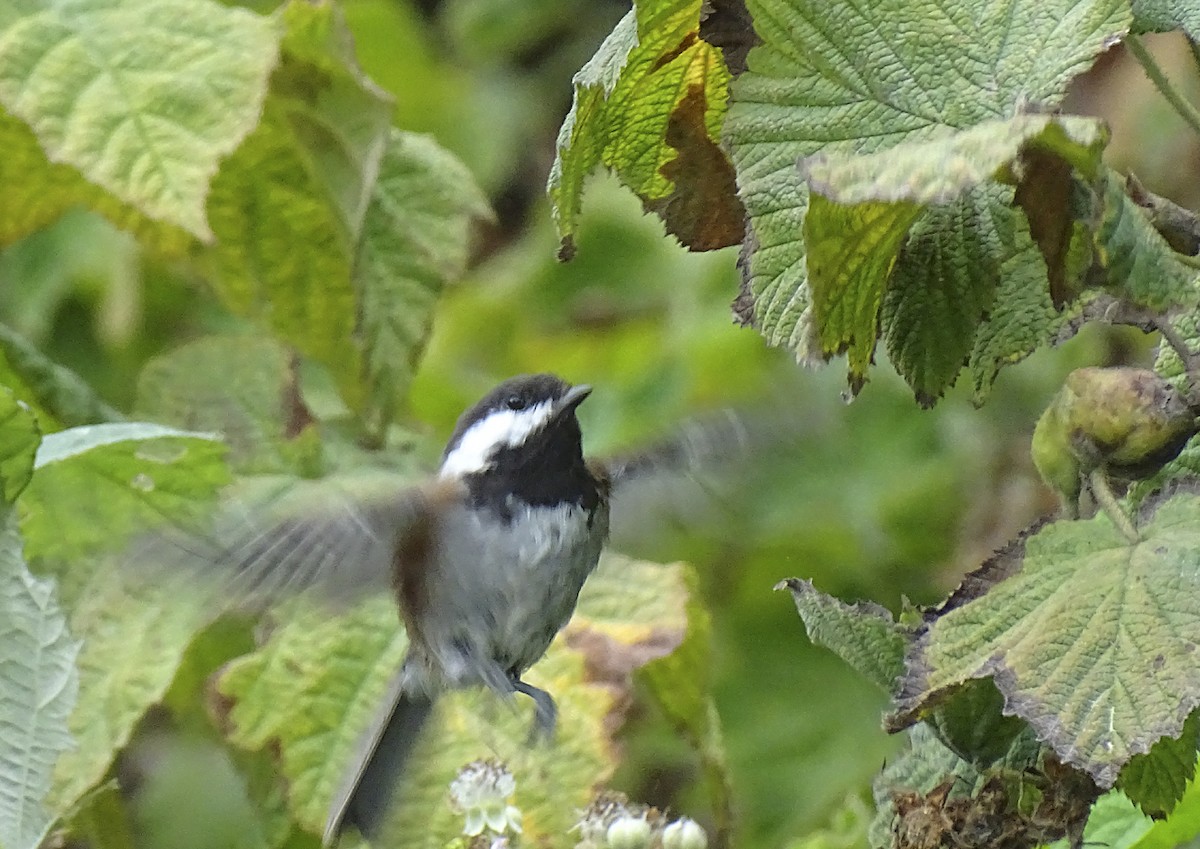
727 24
703 211
1044 193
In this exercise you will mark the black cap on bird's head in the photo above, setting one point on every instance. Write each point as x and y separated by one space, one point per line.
524 418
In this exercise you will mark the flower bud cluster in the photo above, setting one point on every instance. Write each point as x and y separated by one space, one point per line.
482 793
612 822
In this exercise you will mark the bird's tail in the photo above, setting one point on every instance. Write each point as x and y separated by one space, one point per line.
370 784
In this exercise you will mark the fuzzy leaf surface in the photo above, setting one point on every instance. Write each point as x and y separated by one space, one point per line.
844 79
864 635
1165 15
143 99
35 192
1090 641
38 686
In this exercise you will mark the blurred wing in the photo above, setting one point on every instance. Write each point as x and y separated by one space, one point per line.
698 477
700 445
274 539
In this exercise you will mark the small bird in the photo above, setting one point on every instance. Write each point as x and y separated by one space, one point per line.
486 560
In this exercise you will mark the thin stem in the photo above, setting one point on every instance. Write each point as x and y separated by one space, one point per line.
1186 111
1104 496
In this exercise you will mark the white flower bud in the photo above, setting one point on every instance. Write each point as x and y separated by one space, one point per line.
628 833
481 793
684 833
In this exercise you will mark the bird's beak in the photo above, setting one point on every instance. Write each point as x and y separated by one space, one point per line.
572 399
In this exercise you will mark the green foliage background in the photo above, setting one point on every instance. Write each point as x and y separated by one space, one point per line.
876 499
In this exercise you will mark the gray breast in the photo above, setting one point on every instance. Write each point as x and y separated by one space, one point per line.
503 589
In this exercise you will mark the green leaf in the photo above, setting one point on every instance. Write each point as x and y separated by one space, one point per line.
1138 264
943 286
19 438
864 635
945 280
337 231
941 168
940 293
92 490
842 79
649 106
283 253
851 252
1115 823
1164 15
339 116
1124 610
416 239
1023 316
1156 781
34 192
1180 828
144 99
38 687
57 393
244 388
311 690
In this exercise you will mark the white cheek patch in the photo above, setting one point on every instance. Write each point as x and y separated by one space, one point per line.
501 429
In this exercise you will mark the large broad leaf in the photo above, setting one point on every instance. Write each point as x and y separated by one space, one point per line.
38 684
649 106
287 207
35 192
95 487
1090 638
311 689
143 99
416 238
845 79
862 214
335 230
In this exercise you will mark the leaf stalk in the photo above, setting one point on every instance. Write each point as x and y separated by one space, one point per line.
1157 76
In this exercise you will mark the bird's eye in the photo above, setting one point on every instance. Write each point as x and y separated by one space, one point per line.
515 402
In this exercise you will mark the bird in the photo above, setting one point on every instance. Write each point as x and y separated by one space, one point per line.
485 560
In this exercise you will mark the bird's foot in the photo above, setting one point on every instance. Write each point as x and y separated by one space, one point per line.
545 712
